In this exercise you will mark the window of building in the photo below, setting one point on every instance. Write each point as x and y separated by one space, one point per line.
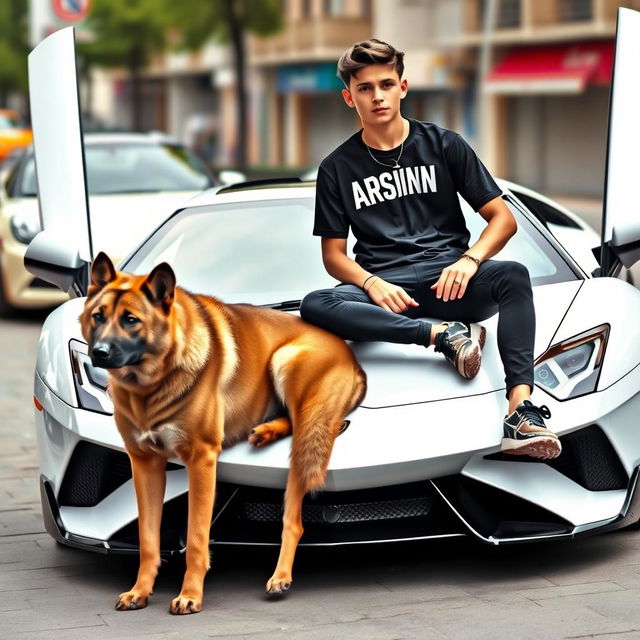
575 10
508 14
306 8
334 7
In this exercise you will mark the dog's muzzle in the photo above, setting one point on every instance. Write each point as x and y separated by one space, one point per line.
111 355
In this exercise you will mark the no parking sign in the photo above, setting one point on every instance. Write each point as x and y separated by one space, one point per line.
71 10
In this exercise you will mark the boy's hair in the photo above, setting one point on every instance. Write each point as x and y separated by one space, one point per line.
362 54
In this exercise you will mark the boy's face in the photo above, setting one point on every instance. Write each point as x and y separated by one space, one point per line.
375 93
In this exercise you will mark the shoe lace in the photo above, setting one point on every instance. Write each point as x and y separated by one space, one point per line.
444 345
535 414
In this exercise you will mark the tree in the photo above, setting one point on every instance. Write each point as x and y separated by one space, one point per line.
13 47
198 21
126 34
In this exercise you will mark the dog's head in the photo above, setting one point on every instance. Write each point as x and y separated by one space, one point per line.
126 319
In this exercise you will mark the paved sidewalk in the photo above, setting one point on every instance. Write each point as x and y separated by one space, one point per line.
455 589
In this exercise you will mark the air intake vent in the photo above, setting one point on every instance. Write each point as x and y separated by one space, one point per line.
93 473
587 458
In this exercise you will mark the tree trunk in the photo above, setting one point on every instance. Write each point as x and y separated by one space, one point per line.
239 58
135 67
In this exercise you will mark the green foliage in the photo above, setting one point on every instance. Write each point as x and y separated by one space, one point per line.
197 21
13 45
126 32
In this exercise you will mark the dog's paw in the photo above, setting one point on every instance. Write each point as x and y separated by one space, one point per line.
185 604
132 600
278 586
263 435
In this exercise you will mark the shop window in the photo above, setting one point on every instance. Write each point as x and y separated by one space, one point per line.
575 10
508 14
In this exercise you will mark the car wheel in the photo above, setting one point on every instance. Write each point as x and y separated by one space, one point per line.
7 310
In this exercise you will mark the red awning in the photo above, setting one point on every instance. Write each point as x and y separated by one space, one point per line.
566 68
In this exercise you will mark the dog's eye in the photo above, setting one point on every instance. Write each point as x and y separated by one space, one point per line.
97 317
131 320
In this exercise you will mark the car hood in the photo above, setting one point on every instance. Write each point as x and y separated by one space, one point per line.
400 374
396 374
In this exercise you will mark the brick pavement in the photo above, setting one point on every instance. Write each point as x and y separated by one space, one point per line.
454 589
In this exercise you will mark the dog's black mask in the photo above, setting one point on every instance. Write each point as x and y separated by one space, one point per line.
113 354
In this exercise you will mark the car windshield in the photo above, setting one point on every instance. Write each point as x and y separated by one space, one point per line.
133 168
264 252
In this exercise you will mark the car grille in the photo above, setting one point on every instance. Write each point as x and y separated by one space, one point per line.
587 458
339 513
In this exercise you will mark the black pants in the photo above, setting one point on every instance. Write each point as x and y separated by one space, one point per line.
498 286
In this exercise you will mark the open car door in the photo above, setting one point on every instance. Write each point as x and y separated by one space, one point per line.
621 214
61 253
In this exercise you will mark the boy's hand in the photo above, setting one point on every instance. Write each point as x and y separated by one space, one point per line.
454 279
389 296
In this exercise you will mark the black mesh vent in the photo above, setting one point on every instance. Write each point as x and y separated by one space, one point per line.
587 458
93 473
359 512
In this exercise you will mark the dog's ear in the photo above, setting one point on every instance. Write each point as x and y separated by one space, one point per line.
160 286
102 272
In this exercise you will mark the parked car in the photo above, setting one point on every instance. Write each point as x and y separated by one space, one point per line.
13 134
135 181
409 463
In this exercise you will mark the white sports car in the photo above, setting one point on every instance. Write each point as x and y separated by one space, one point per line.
419 458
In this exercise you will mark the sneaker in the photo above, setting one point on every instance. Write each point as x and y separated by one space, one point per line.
525 433
461 345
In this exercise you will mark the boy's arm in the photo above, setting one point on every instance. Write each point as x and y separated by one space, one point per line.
501 225
339 265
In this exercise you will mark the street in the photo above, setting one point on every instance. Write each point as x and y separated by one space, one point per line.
458 588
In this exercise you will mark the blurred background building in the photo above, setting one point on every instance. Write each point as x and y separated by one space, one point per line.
525 81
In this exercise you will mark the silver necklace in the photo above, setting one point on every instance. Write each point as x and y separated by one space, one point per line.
384 164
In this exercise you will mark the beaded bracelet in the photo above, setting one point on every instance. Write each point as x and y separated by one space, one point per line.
466 255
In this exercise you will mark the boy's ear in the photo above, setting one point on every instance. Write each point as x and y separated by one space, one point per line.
404 87
346 94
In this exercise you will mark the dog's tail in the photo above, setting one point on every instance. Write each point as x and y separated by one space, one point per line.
318 423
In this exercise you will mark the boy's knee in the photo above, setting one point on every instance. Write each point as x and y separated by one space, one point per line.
313 305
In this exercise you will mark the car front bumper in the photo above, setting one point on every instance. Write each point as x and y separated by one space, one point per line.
433 492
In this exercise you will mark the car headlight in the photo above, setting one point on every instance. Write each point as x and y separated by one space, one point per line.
25 227
572 367
90 382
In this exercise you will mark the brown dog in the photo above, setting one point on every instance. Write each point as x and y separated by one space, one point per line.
189 374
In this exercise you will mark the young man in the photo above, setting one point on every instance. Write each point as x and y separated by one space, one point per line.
395 184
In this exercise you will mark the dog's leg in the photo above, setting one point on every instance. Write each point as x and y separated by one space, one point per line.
201 466
292 531
149 479
270 431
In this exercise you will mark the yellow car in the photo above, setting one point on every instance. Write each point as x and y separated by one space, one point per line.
12 134
135 182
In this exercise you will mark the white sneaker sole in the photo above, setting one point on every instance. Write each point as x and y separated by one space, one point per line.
469 365
545 447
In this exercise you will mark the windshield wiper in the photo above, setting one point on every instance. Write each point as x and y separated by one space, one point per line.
286 305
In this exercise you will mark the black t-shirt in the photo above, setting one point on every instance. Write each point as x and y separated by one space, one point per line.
407 215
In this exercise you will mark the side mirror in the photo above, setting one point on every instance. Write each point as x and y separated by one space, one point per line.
229 176
56 259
